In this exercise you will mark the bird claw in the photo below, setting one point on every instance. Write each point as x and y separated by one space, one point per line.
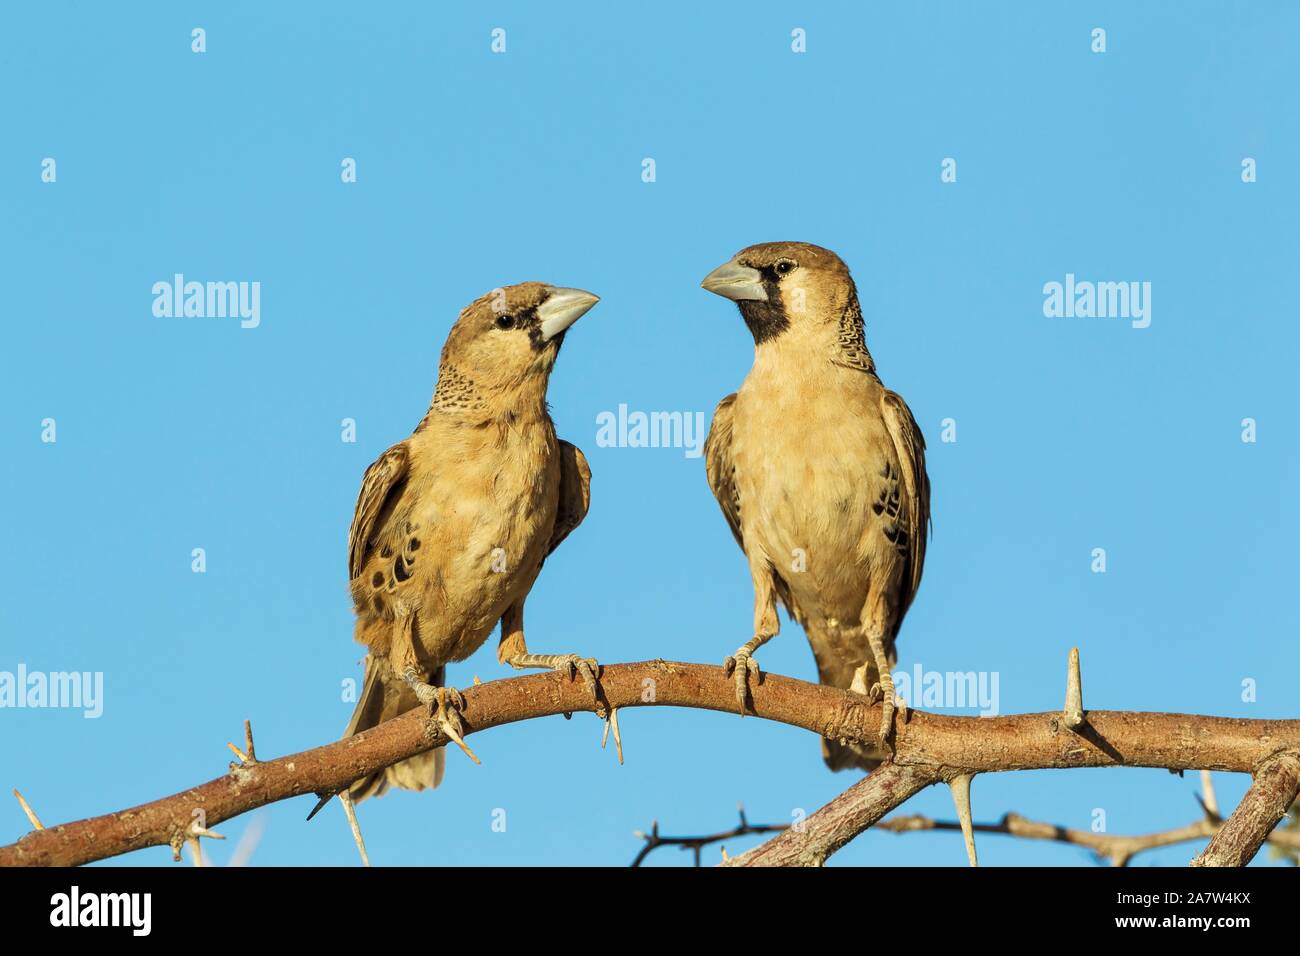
571 665
447 716
447 702
739 667
886 698
587 667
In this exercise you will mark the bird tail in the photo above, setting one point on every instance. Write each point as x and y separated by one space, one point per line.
842 756
384 697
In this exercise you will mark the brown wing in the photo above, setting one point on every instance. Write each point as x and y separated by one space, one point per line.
721 469
384 474
575 493
909 444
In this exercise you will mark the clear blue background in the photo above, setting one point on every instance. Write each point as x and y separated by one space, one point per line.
478 169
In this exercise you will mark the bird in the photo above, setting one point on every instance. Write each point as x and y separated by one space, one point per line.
820 473
452 525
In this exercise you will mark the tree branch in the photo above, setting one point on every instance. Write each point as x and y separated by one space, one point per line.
1277 781
929 744
695 844
1118 849
854 810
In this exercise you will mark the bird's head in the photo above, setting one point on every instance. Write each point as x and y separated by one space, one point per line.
780 286
507 340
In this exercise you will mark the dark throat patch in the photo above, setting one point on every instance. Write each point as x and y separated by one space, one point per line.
766 320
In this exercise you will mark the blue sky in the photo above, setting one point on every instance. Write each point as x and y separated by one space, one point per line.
476 169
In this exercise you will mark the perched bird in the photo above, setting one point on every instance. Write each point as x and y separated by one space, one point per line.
453 524
820 472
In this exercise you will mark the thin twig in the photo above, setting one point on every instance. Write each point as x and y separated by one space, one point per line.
653 839
820 835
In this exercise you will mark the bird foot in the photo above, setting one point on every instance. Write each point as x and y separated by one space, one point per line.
739 667
447 702
587 667
571 665
884 692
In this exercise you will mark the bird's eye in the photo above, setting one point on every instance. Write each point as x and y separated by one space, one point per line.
505 321
784 266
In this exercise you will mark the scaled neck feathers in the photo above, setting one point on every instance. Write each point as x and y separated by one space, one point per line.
852 344
459 397
455 392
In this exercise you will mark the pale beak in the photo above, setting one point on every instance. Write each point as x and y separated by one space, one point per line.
561 309
737 282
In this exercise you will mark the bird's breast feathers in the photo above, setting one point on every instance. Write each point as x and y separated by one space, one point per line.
811 458
496 509
483 510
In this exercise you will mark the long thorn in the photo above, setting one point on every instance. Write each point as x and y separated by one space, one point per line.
196 831
1208 800
960 787
618 737
31 814
345 798
247 756
1073 714
446 726
319 804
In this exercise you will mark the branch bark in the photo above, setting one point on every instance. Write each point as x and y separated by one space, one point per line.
931 743
1118 849
1277 781
842 819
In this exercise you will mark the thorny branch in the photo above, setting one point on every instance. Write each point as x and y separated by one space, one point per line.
929 747
1276 783
653 840
1115 849
834 825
